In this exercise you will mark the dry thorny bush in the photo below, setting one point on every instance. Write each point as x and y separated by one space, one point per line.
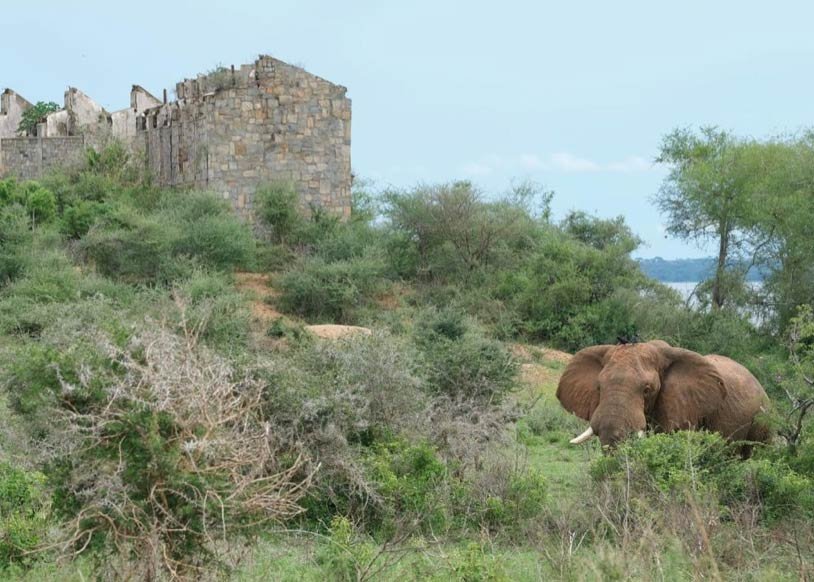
224 470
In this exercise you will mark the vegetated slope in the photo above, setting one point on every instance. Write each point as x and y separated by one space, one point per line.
169 412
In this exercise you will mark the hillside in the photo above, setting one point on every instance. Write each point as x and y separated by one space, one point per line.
184 397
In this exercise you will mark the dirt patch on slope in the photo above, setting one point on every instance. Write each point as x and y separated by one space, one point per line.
337 331
257 286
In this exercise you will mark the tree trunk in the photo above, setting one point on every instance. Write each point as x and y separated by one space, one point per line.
717 283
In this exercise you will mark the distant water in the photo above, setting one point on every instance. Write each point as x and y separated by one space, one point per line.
687 287
684 287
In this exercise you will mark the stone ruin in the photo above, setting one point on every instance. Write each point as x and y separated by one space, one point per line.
229 131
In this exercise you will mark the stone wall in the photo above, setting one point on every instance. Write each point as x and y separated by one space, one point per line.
236 130
230 132
28 158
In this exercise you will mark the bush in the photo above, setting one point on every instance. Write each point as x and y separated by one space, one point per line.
338 399
278 208
706 463
138 253
39 202
461 362
161 443
78 219
186 229
331 292
411 479
209 304
673 462
24 514
49 278
575 290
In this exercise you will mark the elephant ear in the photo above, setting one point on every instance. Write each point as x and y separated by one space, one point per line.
691 390
578 390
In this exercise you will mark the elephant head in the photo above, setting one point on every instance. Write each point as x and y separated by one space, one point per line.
621 389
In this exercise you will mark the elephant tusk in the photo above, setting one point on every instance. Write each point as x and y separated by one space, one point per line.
640 434
583 437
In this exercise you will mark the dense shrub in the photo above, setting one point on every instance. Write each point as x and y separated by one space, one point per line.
159 246
209 304
412 481
278 208
24 514
138 250
331 291
78 219
705 463
448 231
570 291
461 361
39 202
685 459
158 443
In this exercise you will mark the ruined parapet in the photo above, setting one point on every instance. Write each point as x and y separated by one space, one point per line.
126 122
12 107
238 128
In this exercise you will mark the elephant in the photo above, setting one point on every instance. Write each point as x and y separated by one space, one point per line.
622 389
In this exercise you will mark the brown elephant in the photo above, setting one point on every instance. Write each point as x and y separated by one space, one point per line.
627 388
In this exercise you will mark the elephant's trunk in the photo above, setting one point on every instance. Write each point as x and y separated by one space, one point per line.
583 437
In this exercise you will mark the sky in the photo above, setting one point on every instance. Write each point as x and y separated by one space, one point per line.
575 96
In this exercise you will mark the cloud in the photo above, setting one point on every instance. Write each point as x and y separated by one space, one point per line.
558 162
566 162
631 165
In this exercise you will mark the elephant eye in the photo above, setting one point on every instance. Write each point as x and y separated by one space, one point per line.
648 388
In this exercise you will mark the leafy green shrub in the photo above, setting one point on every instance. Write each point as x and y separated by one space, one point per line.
448 231
220 242
461 362
346 554
706 462
281 328
777 489
675 461
140 252
39 202
411 479
78 219
519 497
278 208
49 278
474 564
575 289
24 514
209 304
331 292
186 228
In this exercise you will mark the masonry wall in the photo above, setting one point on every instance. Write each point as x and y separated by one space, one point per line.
263 123
28 158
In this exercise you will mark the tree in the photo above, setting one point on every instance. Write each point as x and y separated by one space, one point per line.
783 194
34 115
706 198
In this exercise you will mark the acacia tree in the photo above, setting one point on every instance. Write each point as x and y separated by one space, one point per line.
706 198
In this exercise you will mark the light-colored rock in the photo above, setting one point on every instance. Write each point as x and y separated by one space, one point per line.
337 331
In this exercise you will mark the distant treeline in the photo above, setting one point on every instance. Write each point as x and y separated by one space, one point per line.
678 270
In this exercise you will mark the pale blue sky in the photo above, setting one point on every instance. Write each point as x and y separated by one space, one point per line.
574 95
